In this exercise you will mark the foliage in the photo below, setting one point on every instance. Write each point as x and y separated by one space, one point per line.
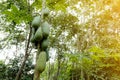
84 37
9 70
2 70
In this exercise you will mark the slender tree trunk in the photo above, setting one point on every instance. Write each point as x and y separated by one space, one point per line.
72 70
82 74
76 72
55 77
26 50
49 71
58 70
25 58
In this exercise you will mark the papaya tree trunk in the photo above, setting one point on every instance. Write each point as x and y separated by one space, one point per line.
37 73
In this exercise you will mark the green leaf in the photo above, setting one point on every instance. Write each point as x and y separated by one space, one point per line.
14 9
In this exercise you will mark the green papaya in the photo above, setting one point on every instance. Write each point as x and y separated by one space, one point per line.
38 34
47 54
36 22
44 44
32 36
41 62
45 29
32 39
46 11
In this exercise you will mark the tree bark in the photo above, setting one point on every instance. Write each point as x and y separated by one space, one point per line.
26 50
25 58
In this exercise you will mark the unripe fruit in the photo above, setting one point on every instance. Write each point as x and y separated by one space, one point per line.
44 44
32 36
41 62
45 29
47 54
36 22
46 11
38 34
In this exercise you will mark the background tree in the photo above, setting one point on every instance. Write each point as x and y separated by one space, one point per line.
8 71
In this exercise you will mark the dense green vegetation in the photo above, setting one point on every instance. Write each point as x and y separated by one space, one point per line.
84 39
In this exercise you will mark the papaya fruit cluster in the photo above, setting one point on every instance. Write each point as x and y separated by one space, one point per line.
40 33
